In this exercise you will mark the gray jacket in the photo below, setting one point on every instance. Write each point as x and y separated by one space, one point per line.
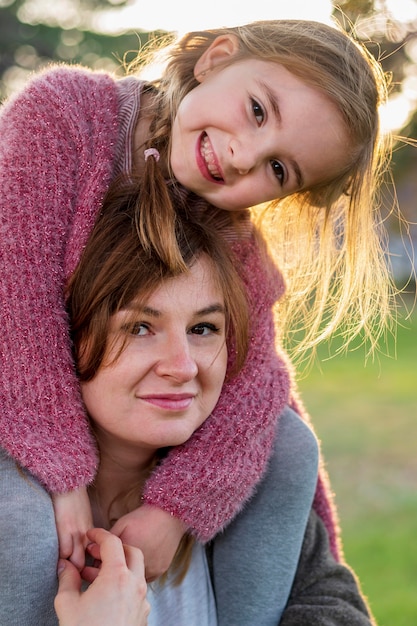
324 593
273 563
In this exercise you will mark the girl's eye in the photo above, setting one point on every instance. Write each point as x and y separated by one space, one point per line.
278 170
204 329
257 111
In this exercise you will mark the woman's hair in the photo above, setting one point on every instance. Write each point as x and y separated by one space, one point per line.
328 239
115 270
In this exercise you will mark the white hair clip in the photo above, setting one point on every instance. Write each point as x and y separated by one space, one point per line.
152 152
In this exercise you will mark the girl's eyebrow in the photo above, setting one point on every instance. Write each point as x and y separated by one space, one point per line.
272 99
273 103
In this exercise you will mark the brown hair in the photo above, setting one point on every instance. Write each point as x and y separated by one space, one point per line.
328 240
116 269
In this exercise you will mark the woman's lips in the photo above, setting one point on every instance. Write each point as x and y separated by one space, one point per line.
207 161
170 402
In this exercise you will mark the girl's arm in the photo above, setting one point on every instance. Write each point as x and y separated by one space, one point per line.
206 481
56 145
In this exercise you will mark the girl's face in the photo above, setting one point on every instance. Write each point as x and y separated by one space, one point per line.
251 132
169 376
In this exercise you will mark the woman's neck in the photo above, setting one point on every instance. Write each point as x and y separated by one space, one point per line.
122 470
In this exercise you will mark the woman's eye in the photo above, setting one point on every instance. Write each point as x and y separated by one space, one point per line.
138 329
258 111
204 329
279 171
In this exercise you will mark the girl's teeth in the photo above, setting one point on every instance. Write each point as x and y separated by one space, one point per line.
208 157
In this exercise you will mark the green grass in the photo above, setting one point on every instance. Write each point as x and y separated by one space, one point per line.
366 419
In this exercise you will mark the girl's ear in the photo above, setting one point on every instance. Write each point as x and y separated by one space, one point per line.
219 52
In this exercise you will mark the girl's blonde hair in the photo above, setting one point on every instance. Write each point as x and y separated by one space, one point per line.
328 240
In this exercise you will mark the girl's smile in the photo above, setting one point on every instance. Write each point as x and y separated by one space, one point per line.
251 132
207 161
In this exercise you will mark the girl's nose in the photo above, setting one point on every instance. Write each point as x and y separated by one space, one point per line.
177 362
243 156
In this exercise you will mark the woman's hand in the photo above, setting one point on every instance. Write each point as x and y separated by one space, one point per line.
116 596
73 518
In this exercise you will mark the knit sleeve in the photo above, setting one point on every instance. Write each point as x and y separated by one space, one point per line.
56 151
206 481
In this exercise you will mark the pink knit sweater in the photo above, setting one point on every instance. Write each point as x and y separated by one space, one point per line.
58 141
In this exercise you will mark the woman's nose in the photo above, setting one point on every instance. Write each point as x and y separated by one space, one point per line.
177 362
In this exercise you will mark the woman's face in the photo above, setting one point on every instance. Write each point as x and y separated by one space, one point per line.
169 376
251 132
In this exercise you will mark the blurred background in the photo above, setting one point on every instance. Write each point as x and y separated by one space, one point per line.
364 411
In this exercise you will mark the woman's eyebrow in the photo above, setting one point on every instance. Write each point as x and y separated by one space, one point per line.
144 309
147 310
216 307
212 308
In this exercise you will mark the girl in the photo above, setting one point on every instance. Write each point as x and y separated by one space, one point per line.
283 111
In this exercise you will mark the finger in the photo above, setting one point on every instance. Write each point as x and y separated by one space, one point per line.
118 527
93 550
90 573
69 580
69 587
77 556
110 547
112 552
66 546
134 559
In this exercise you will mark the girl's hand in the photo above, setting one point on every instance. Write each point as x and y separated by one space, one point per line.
156 532
118 593
73 518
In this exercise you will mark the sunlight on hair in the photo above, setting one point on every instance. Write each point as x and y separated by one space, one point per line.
395 113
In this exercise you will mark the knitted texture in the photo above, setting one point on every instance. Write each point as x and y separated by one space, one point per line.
56 149
57 153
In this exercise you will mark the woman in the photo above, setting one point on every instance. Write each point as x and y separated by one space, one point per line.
164 347
110 300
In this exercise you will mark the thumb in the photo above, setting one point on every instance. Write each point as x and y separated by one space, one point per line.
69 588
68 576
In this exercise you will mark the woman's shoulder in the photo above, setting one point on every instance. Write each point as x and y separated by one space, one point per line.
324 591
